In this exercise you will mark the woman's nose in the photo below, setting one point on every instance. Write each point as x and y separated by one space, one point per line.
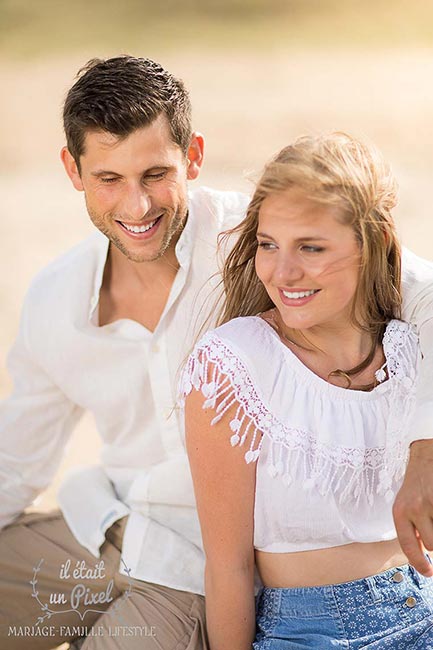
288 270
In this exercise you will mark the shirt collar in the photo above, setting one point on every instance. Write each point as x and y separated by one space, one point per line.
101 259
185 244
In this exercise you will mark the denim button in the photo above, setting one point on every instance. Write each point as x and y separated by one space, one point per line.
398 577
411 601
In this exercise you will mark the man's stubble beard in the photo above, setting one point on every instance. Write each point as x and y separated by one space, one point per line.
175 227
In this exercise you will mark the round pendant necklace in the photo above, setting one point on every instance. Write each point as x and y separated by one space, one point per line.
380 375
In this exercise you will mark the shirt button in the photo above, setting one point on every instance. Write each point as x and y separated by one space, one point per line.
411 601
155 348
398 577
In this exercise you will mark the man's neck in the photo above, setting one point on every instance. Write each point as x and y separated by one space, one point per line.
119 270
136 290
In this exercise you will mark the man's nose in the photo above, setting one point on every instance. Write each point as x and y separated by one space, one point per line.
137 203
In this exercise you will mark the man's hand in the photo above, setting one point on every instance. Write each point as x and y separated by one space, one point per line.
413 507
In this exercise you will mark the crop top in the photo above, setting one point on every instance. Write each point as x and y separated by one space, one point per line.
330 460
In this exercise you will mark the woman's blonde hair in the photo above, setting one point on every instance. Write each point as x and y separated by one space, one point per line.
338 170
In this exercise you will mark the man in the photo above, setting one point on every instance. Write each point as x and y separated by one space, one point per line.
105 328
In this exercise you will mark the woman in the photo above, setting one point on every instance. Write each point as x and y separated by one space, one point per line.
312 378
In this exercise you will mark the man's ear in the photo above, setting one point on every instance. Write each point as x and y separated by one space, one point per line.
195 155
71 169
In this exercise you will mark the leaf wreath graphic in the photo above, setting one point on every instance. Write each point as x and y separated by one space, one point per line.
48 613
35 594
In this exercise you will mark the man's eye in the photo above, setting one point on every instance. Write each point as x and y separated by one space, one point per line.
108 179
154 177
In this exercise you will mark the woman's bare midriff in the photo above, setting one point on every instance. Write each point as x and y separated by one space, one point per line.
328 566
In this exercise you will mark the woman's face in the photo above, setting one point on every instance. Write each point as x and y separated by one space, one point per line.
308 260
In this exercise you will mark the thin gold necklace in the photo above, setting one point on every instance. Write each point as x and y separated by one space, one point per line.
380 375
275 317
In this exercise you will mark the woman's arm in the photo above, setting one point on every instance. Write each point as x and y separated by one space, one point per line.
224 486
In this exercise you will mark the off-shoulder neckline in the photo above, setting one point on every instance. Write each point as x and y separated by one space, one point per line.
315 379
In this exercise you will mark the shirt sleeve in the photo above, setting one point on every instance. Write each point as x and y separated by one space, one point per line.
417 283
35 424
90 517
215 371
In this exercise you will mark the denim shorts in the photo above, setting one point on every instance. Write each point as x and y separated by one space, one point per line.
392 610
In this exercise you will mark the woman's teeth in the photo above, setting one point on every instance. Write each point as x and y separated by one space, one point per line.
299 294
139 228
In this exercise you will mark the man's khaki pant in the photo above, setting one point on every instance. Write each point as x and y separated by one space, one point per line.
52 590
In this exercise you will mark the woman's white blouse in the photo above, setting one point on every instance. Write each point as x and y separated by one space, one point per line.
330 460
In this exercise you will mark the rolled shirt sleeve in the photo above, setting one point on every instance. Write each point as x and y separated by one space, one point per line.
417 282
90 505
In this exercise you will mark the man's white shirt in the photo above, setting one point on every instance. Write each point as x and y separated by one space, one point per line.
64 363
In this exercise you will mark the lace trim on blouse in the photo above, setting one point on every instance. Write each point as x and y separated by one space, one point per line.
349 472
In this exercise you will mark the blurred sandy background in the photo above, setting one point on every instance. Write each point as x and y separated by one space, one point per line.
259 72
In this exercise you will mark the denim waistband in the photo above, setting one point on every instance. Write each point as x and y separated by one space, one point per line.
313 601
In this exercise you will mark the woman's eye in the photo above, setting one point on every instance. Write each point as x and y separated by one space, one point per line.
311 249
265 245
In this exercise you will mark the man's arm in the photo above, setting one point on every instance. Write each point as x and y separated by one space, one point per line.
413 506
224 485
35 423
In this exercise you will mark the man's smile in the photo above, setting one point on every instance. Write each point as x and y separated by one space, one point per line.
146 229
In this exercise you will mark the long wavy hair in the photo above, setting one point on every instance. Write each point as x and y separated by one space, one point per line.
333 169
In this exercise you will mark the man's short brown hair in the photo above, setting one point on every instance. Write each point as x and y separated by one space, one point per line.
120 95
